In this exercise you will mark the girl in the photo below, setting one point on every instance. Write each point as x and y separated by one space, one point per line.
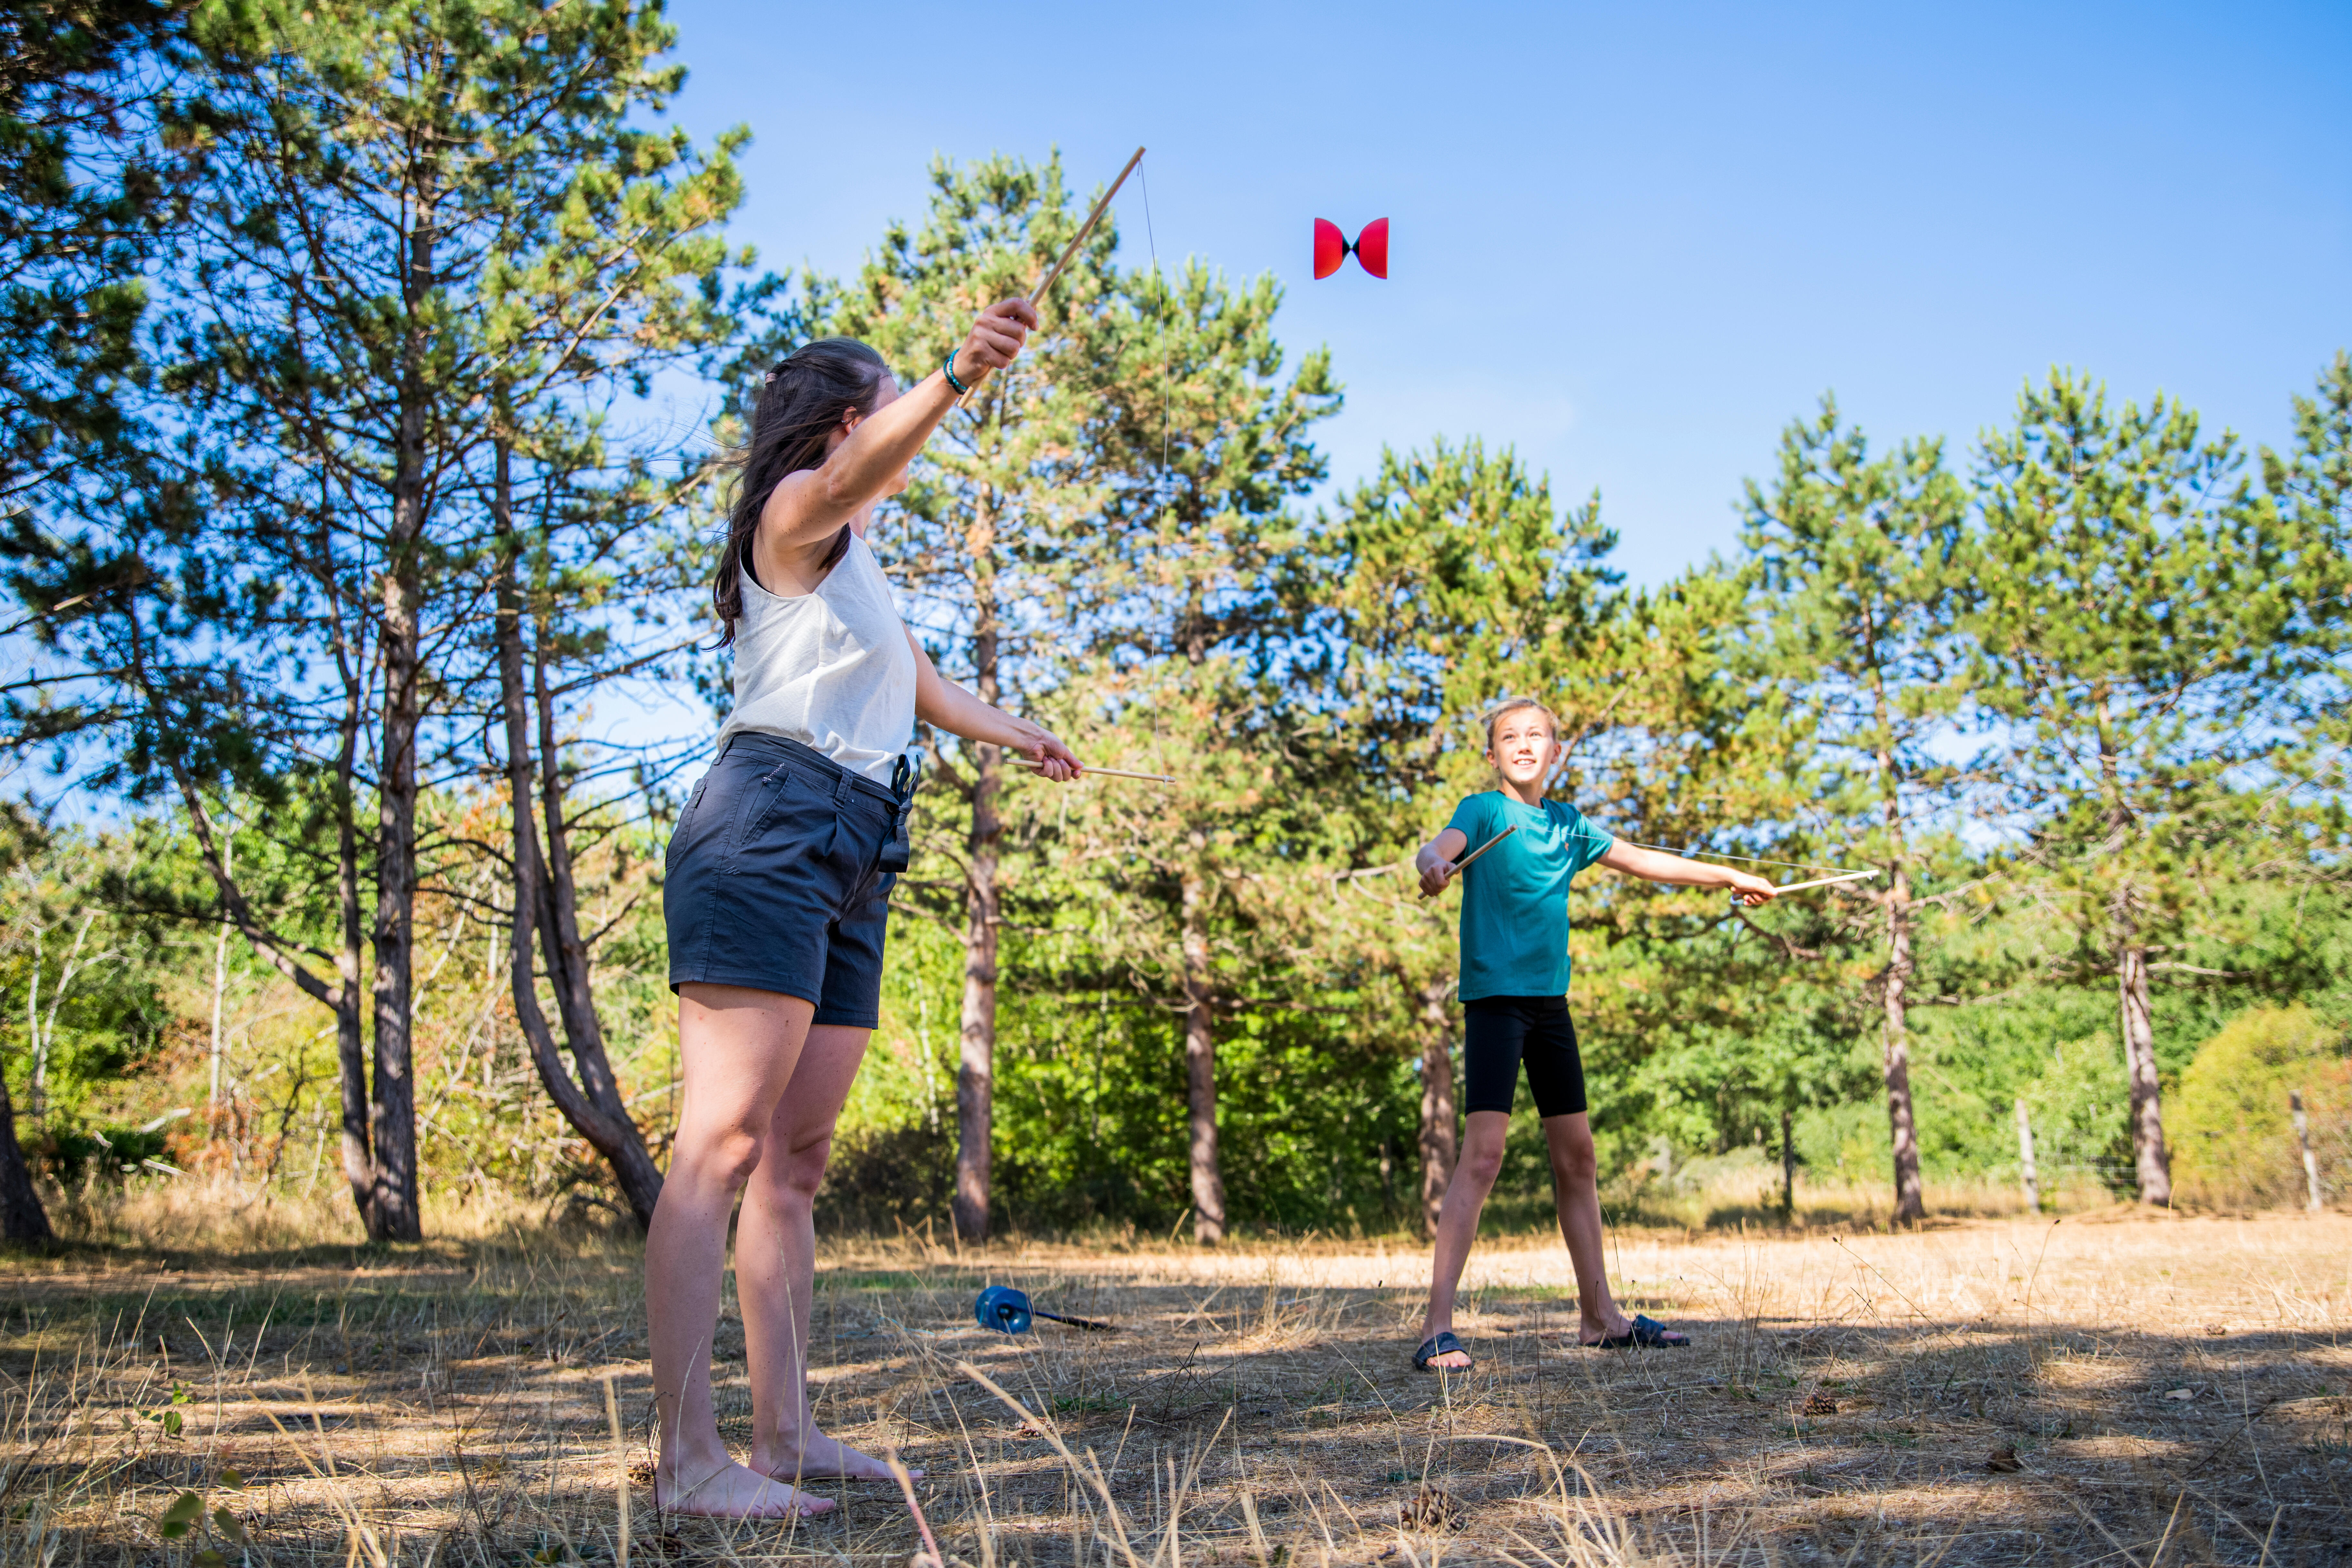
1515 973
777 892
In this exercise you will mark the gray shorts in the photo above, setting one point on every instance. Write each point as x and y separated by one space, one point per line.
774 882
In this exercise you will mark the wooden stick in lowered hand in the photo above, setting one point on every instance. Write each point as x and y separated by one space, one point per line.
1108 772
1037 295
1466 860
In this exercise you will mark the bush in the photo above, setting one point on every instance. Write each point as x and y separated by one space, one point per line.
115 1152
2232 1140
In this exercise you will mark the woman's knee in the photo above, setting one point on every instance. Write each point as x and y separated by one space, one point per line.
795 1170
726 1155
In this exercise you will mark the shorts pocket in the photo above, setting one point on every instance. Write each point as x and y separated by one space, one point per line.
754 813
678 834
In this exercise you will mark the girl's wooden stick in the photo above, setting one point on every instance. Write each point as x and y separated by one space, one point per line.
1037 295
1816 882
1108 772
1466 860
1825 882
906 1485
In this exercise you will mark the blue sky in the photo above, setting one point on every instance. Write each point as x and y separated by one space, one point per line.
1635 241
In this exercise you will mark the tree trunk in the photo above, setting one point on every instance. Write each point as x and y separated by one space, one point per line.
392 1210
39 1075
2153 1163
22 1218
357 1146
1910 1203
1201 1064
976 1058
1788 1165
1440 1124
2028 1177
547 905
220 994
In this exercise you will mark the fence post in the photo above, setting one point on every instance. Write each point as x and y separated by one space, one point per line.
2026 1173
1788 1168
2303 1138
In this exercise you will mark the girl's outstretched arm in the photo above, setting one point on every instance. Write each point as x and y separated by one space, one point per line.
943 704
1658 865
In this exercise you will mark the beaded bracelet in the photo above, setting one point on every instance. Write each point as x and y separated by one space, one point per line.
947 368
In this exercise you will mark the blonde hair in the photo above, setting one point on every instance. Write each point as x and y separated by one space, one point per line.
1510 705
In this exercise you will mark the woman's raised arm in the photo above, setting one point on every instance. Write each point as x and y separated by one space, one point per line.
813 504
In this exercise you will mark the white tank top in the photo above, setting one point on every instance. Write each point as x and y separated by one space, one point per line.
831 670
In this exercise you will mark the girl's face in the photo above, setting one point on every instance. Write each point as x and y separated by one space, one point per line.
1524 748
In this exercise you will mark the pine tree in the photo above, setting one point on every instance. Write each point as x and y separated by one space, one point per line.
1190 620
398 222
994 521
1863 565
1446 581
79 201
2135 608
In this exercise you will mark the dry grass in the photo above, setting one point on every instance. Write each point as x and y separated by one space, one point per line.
1993 1392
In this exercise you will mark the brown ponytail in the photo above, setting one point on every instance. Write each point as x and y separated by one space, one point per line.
804 399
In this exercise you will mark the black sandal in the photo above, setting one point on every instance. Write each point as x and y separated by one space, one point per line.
1438 1345
1647 1333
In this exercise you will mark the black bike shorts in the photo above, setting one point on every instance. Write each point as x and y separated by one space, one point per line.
1499 1032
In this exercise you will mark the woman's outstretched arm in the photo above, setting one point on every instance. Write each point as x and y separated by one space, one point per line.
813 504
942 703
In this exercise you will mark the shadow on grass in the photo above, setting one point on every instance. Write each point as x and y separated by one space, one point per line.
456 1410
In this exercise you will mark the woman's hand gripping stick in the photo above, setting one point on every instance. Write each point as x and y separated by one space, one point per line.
1107 773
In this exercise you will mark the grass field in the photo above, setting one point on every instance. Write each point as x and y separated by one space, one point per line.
2111 1388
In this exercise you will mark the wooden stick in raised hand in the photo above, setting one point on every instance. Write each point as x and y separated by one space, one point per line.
1037 295
1108 772
1466 860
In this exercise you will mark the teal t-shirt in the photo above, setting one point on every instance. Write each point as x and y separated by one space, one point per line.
1514 899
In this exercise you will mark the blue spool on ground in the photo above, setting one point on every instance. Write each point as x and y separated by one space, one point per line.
1002 1309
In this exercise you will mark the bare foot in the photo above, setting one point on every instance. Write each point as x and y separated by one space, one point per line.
828 1458
734 1491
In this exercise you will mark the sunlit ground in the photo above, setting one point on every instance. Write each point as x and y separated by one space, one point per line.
2110 1388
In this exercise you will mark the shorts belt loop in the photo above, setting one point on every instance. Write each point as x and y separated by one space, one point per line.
842 788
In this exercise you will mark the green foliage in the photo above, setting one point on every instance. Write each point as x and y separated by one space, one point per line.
320 322
2237 1141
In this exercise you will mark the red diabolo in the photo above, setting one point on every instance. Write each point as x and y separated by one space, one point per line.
1371 248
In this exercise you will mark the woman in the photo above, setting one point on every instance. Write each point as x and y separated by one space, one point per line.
777 892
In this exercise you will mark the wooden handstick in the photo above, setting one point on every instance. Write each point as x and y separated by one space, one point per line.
906 1485
1816 882
1037 295
1110 773
1825 882
1466 860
